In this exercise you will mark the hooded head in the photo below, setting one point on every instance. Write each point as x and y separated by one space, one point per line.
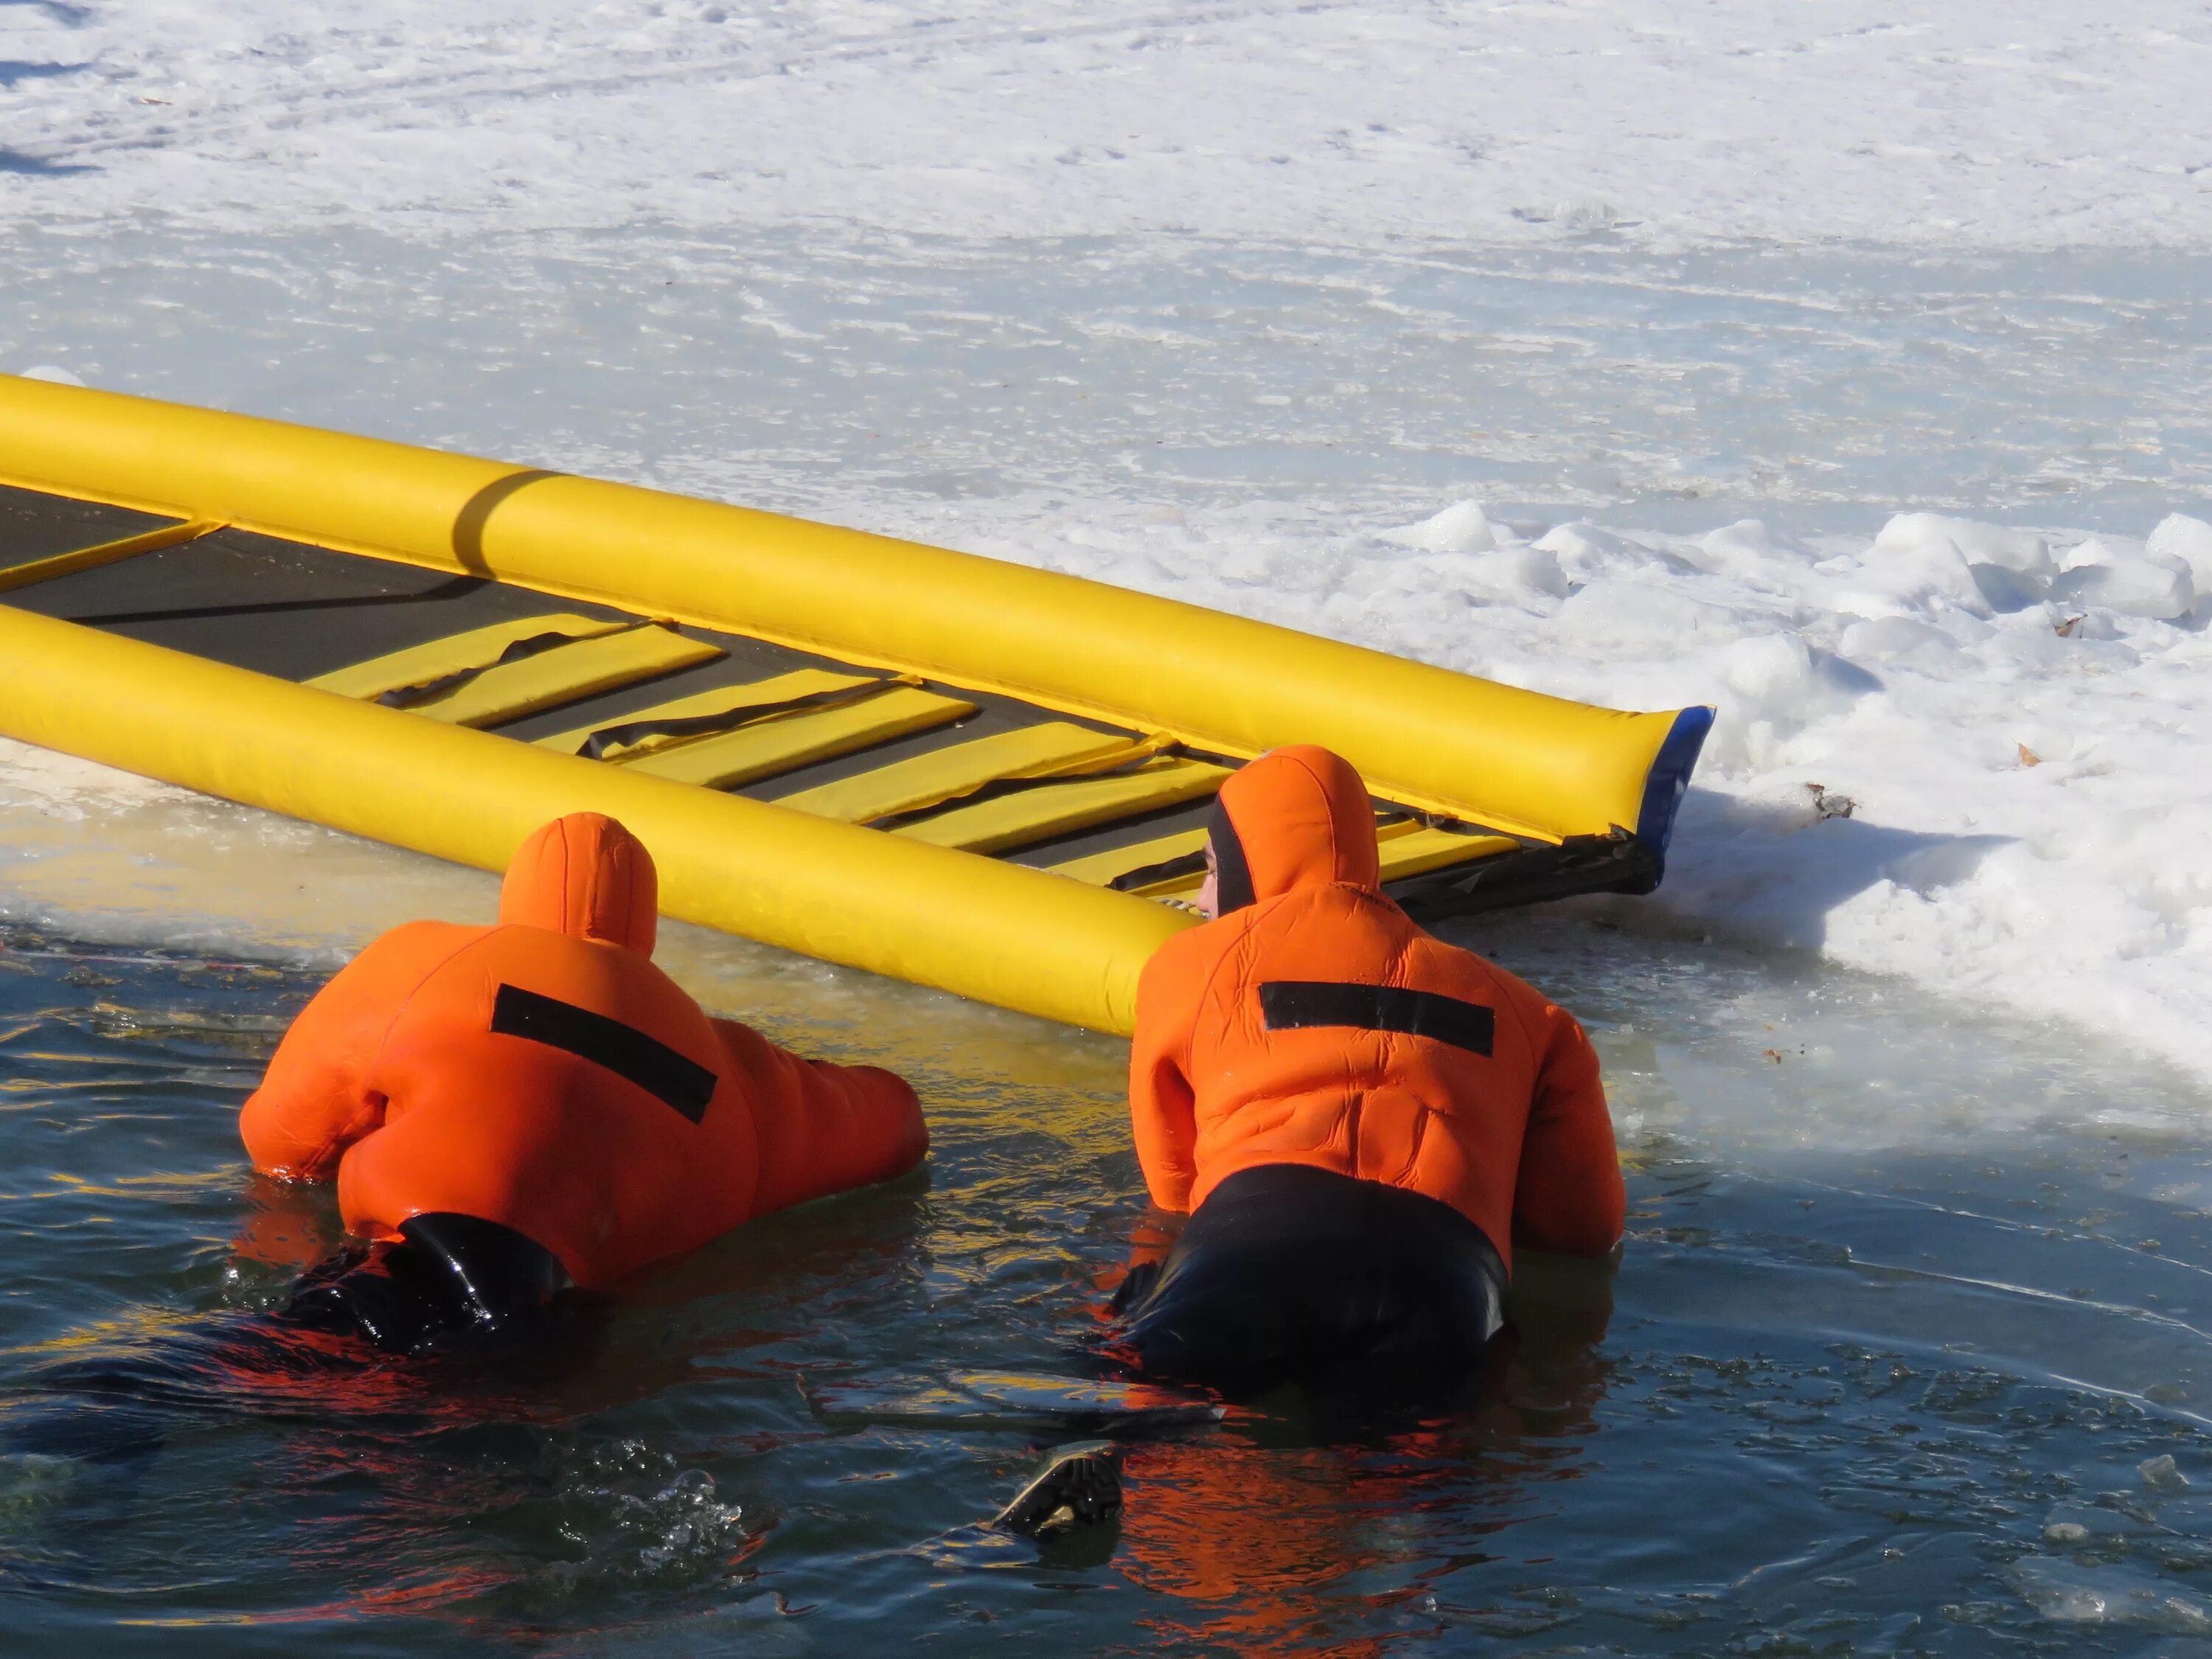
587 877
1294 817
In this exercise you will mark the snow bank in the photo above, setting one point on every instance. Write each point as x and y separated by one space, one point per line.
2035 124
1970 756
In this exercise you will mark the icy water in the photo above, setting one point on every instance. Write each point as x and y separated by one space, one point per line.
1905 1353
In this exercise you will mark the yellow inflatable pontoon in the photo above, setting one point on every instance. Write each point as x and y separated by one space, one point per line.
962 773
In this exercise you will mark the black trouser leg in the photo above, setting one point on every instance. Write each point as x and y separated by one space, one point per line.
1287 1272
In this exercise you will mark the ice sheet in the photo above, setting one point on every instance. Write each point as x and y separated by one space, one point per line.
2035 124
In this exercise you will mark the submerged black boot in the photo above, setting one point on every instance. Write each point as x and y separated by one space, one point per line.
448 1274
1080 1485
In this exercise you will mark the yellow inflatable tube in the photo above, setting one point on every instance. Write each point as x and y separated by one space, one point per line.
1425 736
1020 938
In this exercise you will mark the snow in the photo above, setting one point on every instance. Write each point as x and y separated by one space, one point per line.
2031 125
2027 794
1839 364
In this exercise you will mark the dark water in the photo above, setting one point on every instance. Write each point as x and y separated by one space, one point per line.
1910 1316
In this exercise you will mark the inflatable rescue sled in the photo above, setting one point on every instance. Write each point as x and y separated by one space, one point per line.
962 773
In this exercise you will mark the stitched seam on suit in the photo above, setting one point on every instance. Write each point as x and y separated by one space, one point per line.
1527 1037
1423 1113
1238 957
1328 817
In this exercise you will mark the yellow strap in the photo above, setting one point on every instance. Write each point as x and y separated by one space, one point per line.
787 741
87 558
729 700
1420 851
568 674
1055 749
608 655
1061 808
1100 869
479 648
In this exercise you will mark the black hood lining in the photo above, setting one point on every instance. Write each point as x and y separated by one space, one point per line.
1233 875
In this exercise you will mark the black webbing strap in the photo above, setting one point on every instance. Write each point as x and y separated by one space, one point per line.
1292 1005
407 696
595 747
623 1049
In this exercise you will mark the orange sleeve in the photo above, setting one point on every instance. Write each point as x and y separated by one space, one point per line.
1162 1106
822 1129
315 1100
1568 1195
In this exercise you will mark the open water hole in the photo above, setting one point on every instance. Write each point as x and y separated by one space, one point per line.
1909 1323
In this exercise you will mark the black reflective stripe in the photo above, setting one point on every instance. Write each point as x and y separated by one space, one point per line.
1292 1004
1232 880
623 1049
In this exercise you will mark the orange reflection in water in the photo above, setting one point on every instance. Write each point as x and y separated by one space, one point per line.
1267 1548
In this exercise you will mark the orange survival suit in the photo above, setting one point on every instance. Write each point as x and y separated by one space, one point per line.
542 1076
1316 1043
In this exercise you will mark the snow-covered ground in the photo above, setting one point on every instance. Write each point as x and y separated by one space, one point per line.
2035 123
1840 364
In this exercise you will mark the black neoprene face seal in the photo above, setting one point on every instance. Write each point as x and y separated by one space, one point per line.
1232 885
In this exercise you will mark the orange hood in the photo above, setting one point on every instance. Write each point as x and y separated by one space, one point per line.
587 877
1295 818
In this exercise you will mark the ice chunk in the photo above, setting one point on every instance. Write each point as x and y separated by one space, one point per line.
1916 573
1515 574
32 1481
1463 527
2023 550
2189 540
2006 591
1781 679
2070 1523
53 372
1644 619
2159 1474
2099 549
1898 639
2134 587
1586 552
1775 685
2074 1595
1746 548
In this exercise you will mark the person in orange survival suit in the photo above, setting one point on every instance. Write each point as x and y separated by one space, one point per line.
1360 1118
510 1110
